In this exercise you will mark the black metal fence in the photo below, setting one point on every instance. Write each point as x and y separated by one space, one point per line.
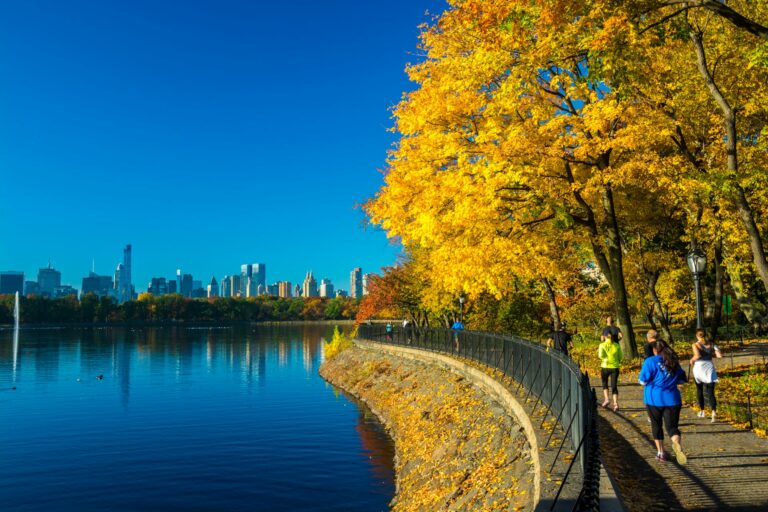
550 378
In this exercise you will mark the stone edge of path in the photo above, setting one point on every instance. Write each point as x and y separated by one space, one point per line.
610 500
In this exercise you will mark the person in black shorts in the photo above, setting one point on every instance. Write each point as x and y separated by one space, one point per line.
560 339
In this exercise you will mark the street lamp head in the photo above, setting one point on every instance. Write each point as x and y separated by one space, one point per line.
697 262
461 299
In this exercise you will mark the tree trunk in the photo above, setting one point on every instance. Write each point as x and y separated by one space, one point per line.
739 198
553 309
653 277
752 308
616 261
717 312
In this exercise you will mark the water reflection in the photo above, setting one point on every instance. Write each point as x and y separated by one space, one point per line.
192 403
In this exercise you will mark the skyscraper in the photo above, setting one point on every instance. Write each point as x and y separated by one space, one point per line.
326 288
186 285
260 274
213 288
284 289
310 286
158 286
356 283
123 280
226 287
366 282
48 279
11 281
297 291
102 286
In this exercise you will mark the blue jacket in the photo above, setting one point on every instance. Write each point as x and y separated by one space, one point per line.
660 384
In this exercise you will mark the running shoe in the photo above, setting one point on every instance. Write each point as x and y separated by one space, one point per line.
661 457
701 414
679 455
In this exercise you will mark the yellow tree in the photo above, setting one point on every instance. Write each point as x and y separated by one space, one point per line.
517 155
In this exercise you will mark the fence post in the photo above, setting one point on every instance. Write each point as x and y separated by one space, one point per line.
749 411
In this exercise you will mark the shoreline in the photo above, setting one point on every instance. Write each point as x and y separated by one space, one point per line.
176 323
457 447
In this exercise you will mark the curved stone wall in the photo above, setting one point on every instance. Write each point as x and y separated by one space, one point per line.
462 441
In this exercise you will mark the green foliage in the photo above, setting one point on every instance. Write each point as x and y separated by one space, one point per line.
174 308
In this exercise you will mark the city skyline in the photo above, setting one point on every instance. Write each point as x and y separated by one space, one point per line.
197 148
261 285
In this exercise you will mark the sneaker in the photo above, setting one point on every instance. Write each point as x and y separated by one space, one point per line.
615 407
701 414
661 457
714 415
605 404
679 455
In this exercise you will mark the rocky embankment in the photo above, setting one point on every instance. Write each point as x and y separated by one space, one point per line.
457 449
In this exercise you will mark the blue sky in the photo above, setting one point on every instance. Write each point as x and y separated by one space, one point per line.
205 133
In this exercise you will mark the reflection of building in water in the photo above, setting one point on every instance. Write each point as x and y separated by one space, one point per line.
282 354
255 364
377 445
307 355
121 367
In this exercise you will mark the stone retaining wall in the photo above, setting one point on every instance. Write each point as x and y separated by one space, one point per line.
462 440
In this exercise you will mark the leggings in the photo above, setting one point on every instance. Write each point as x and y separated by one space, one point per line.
671 416
613 373
709 390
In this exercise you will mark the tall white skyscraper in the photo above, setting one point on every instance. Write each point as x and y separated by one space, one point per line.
326 288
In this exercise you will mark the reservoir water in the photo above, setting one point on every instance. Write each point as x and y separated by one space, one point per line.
176 418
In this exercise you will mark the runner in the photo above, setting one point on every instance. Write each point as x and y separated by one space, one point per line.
704 373
609 352
661 375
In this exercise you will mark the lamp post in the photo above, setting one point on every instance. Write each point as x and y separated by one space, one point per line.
697 264
461 309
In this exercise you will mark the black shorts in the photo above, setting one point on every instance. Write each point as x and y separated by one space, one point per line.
613 374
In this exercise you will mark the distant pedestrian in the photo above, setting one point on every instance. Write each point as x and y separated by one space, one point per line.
560 339
704 372
609 352
456 328
407 330
611 330
388 329
651 338
660 375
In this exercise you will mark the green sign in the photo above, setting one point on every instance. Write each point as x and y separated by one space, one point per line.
727 305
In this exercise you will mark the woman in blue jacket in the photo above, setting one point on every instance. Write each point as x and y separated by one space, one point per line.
660 376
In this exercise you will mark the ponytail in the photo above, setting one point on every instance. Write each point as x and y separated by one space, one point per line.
670 360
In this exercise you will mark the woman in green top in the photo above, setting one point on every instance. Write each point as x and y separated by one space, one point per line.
610 356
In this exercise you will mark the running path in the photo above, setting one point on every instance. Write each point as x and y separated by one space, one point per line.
727 468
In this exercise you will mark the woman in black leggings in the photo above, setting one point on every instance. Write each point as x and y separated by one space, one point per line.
704 372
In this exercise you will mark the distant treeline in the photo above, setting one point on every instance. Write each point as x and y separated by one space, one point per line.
174 308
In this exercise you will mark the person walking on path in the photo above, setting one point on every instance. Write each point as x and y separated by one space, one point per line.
611 330
704 373
389 331
660 376
651 338
609 352
456 328
560 339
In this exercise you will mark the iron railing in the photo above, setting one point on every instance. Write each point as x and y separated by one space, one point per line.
553 379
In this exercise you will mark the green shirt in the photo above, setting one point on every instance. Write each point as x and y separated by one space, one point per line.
610 354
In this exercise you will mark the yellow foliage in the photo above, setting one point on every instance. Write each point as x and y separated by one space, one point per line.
339 343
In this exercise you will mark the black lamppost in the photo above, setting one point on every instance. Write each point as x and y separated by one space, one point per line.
697 263
461 309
